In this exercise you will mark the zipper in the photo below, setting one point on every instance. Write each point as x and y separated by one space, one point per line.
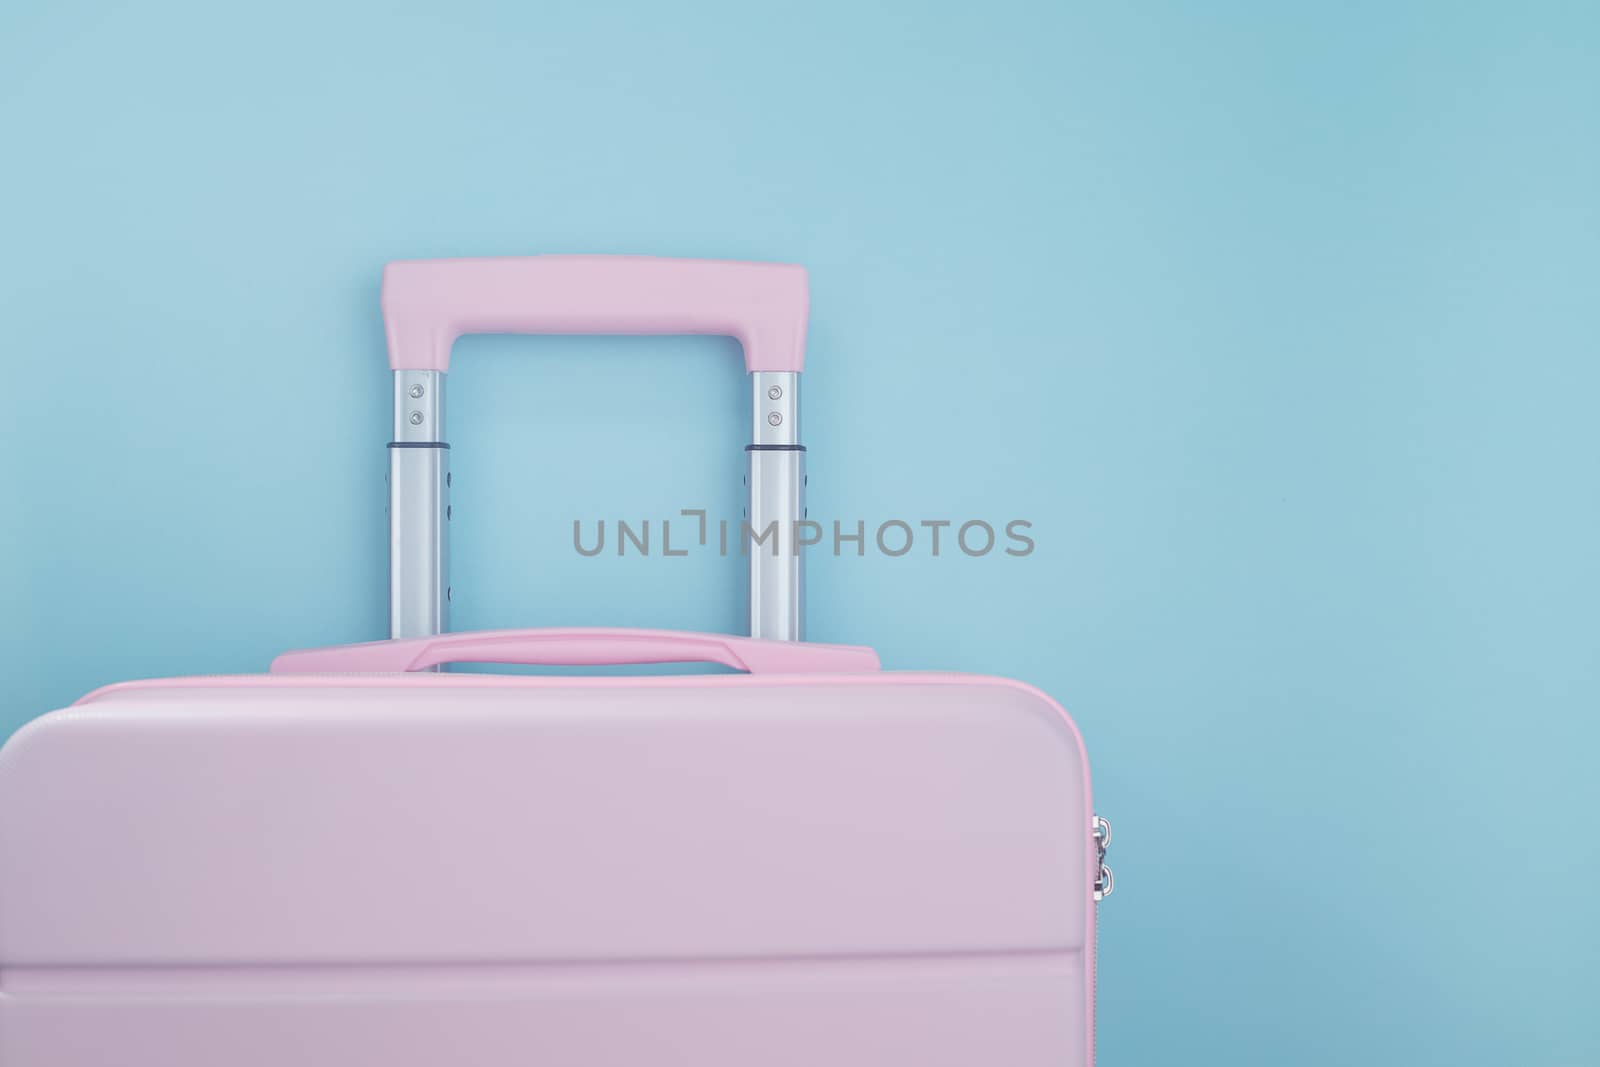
1104 884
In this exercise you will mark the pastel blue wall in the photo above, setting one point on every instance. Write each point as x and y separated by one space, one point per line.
1278 324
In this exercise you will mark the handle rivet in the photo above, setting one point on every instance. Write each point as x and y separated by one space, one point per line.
416 391
774 419
775 393
416 418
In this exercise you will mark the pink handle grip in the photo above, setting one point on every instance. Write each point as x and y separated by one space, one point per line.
428 303
580 647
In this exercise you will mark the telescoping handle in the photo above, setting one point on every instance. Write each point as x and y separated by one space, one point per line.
581 647
428 304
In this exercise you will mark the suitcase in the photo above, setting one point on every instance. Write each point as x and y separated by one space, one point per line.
361 858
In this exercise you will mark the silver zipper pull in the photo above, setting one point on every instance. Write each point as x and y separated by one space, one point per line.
1104 883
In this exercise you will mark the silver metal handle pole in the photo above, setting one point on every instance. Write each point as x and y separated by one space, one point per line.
776 477
419 508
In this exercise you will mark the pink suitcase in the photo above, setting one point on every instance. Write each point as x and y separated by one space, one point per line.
360 859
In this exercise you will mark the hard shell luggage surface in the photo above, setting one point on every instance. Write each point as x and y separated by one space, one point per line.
358 859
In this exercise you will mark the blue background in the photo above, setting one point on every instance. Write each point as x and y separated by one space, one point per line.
1277 321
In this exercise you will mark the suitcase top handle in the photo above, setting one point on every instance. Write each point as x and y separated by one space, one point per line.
428 303
580 647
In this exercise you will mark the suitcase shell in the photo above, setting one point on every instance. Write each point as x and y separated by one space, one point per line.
356 860
417 869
